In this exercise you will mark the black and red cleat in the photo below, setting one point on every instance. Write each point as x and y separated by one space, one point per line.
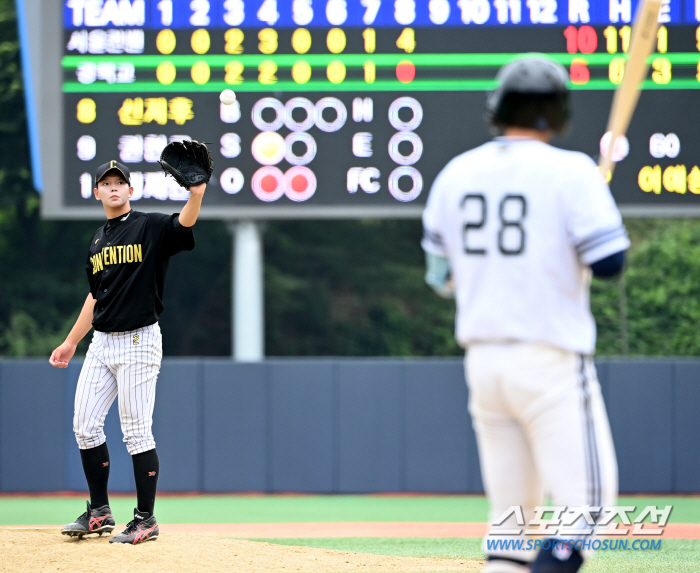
95 520
144 527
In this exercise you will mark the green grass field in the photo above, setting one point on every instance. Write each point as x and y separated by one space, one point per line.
678 556
28 510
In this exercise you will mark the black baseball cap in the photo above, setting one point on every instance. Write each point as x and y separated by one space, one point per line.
113 165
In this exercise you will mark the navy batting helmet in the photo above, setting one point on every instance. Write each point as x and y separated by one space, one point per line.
531 93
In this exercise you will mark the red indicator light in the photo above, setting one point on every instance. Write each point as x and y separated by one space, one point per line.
583 39
405 71
268 184
587 40
299 184
571 35
580 74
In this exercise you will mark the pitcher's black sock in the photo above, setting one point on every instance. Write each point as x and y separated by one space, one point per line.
146 470
96 468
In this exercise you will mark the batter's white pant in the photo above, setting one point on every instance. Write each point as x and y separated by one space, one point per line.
542 432
125 364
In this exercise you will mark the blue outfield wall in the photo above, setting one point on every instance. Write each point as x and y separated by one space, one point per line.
330 426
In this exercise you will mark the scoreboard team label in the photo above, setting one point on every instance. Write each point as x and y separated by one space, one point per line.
357 13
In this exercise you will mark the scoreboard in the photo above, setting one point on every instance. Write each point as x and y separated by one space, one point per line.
350 108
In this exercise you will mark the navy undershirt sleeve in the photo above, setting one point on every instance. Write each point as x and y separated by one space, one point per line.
610 266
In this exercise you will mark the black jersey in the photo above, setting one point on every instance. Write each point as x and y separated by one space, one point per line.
126 268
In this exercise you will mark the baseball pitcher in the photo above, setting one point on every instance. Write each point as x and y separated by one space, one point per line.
126 266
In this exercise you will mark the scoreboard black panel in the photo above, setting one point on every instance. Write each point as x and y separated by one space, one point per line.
349 108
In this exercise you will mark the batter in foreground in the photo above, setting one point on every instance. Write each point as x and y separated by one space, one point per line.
126 267
513 230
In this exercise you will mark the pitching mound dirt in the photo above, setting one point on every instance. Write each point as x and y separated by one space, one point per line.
40 550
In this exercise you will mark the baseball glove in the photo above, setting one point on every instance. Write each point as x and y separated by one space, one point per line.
188 162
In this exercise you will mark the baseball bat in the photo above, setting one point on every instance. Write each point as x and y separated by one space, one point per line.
644 28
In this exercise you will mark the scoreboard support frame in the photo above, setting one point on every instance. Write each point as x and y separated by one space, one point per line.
41 40
247 291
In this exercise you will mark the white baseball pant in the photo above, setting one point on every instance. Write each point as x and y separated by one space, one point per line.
125 364
542 431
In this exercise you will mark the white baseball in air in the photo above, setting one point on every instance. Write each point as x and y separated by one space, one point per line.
227 97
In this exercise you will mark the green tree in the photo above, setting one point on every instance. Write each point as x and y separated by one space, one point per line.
663 288
352 288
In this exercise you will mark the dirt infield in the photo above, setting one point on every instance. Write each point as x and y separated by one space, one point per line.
39 550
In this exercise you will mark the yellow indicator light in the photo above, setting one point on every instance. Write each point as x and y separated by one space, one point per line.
165 72
616 70
662 40
234 40
336 71
87 110
407 40
625 34
370 71
234 72
370 37
336 40
610 34
301 72
268 41
200 72
165 41
662 70
200 41
267 70
301 40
